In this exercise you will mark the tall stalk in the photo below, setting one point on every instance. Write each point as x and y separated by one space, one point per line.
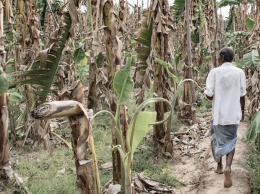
4 141
189 91
161 49
215 61
93 8
114 60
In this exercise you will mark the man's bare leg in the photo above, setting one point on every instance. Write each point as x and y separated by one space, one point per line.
219 169
230 159
227 171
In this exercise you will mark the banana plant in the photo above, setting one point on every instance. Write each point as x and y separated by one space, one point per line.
4 140
43 71
3 83
143 51
139 125
168 69
249 24
251 59
254 131
224 3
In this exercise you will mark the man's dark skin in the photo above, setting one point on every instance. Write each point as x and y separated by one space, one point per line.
230 156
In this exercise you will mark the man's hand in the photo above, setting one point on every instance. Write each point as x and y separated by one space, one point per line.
242 104
243 115
208 97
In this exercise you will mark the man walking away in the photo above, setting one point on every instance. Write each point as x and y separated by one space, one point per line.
226 86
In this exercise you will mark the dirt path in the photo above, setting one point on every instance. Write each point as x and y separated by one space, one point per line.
197 174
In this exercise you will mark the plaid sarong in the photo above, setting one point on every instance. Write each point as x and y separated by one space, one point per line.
224 138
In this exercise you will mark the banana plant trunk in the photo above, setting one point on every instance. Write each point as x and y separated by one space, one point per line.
161 85
114 60
189 91
93 87
158 85
87 180
215 61
6 171
121 15
257 14
4 141
159 130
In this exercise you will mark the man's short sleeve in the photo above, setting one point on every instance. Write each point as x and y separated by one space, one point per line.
210 84
242 84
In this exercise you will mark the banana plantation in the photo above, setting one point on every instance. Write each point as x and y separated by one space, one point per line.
106 96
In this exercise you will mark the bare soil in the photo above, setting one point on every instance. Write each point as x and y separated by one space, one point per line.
196 171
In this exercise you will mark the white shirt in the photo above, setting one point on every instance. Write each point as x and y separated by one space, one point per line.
226 84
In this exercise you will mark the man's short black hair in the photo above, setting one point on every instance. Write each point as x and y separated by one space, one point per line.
227 53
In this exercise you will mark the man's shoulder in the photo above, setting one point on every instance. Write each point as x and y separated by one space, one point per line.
223 68
238 69
232 66
217 69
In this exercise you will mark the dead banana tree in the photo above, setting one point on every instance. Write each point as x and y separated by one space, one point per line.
206 33
4 141
161 48
95 75
253 63
87 180
189 89
114 62
155 39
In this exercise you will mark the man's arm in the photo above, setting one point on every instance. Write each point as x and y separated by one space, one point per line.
209 91
210 98
243 94
242 104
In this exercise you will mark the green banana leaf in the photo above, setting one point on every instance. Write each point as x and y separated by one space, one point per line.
100 60
249 24
42 5
140 129
15 97
79 55
3 84
251 59
202 18
144 38
178 9
10 67
224 3
43 73
123 84
254 129
230 19
166 66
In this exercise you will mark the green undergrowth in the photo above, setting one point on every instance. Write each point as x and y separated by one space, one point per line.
202 103
43 174
103 140
253 161
176 124
147 162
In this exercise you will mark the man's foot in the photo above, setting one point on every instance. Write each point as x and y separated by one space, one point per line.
227 181
219 169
